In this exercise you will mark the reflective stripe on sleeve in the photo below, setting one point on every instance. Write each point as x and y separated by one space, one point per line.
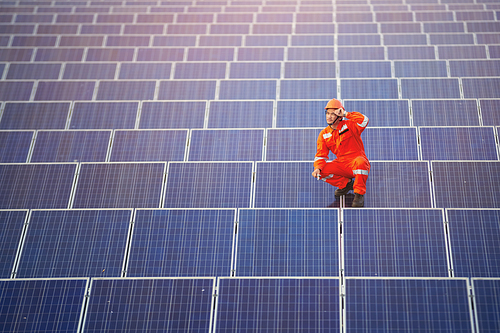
327 177
360 172
320 158
364 123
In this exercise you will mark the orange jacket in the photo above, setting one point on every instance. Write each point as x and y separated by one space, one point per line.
343 141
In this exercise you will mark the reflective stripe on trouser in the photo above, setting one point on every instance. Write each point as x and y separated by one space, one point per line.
339 172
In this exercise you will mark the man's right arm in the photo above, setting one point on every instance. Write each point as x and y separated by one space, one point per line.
322 152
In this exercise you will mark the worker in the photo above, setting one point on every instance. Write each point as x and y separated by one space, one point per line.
343 138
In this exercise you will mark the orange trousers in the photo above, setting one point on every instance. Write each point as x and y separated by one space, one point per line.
339 171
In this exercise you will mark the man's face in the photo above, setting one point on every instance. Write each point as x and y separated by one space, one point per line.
333 116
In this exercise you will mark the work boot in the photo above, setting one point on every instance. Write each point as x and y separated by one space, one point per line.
359 200
343 191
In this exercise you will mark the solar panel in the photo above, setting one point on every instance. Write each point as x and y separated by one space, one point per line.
271 242
489 113
228 114
247 89
148 145
266 40
486 304
454 39
365 69
211 54
15 90
208 185
410 52
255 70
271 304
71 146
182 243
420 69
160 54
308 89
430 88
390 144
26 186
110 54
74 71
153 305
369 89
226 145
103 115
144 71
466 184
301 113
64 91
405 39
357 39
260 54
398 242
35 305
10 236
382 112
15 146
311 53
119 185
33 71
74 243
481 87
445 113
172 115
474 68
458 143
432 305
318 40
347 28
126 90
58 54
187 90
474 236
174 41
462 52
291 144
361 53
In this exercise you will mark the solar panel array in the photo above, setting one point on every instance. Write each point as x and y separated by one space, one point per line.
155 161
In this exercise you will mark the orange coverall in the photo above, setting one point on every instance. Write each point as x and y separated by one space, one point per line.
351 162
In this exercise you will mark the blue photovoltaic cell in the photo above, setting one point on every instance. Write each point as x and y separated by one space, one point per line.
58 54
361 53
136 146
315 28
64 91
297 144
390 144
410 52
182 243
445 113
475 68
211 54
301 114
126 90
71 146
119 185
474 236
489 112
399 242
255 70
369 89
74 243
160 54
297 70
420 69
359 69
104 115
462 52
31 186
260 54
174 41
11 229
405 27
187 90
407 305
208 185
172 115
247 89
318 40
279 242
109 54
14 146
34 116
263 40
481 88
390 183
382 112
38 305
430 88
487 304
274 304
226 145
198 71
358 39
458 143
290 185
308 89
89 71
405 39
466 184
454 39
16 91
257 114
33 71
352 28
443 27
144 71
231 40
128 40
152 305
311 53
